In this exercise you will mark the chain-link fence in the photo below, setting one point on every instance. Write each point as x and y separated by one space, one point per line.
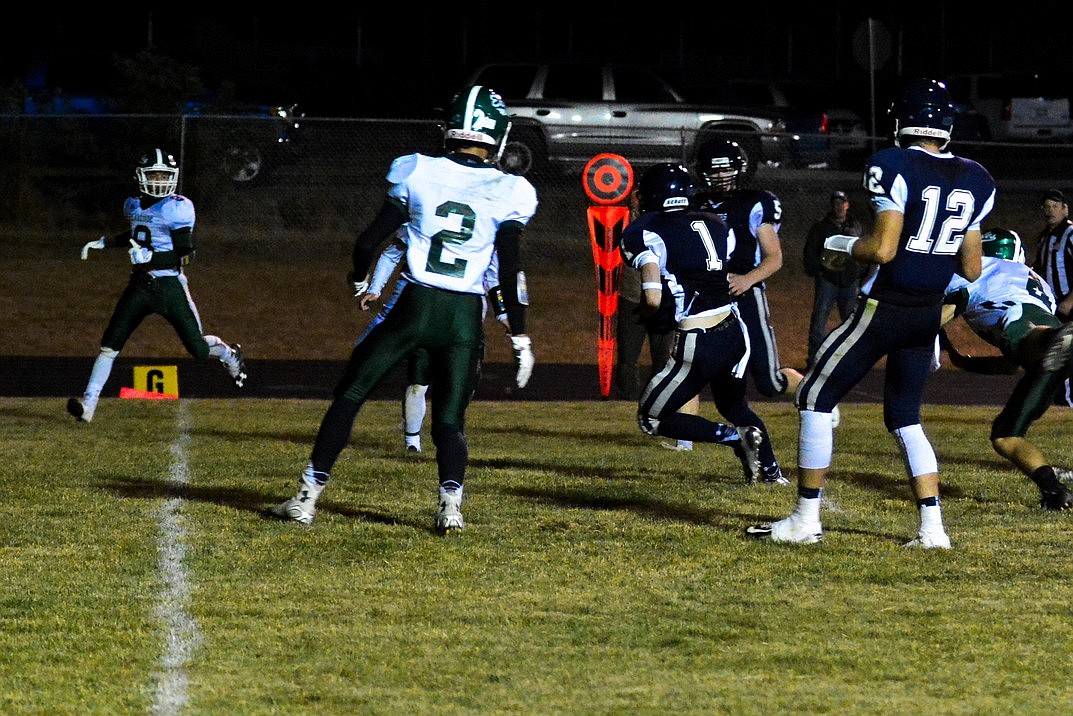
261 179
276 222
324 181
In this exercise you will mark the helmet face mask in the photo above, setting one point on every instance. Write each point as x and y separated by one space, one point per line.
1003 244
720 163
924 110
478 115
157 173
665 187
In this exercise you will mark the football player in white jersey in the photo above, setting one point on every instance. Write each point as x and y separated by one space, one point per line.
414 407
1011 307
160 244
457 210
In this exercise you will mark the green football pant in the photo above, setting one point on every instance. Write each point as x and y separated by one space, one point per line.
449 327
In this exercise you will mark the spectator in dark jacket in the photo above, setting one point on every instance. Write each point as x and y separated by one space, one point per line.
832 288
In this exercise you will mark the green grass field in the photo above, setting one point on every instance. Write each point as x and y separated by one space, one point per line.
599 573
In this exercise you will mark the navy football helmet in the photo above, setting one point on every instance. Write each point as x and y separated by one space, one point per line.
157 173
720 162
923 110
1003 244
665 187
478 115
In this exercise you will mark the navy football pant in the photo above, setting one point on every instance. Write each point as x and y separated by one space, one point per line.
905 335
764 365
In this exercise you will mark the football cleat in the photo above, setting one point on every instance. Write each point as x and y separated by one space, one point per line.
1060 499
297 509
82 412
747 449
1059 350
789 530
449 513
303 506
237 368
772 475
929 540
682 445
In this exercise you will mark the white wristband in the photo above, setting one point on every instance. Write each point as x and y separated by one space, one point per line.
654 285
839 242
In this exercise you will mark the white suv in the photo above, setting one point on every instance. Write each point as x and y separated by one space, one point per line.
566 113
1016 106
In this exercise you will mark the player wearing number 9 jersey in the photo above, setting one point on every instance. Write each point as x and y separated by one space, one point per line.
458 210
928 206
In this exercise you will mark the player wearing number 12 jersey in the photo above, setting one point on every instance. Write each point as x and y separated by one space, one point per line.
458 210
928 205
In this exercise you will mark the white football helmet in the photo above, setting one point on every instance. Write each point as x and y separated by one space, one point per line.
157 173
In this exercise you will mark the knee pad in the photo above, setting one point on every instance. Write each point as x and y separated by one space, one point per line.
916 450
817 440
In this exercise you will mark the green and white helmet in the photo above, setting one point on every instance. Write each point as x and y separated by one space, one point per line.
477 115
1003 244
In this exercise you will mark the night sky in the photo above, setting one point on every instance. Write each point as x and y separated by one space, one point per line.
341 63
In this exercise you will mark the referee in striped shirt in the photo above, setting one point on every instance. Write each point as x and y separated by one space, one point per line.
1054 262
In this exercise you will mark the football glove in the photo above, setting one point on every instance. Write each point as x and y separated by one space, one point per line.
139 254
98 244
837 249
523 359
359 287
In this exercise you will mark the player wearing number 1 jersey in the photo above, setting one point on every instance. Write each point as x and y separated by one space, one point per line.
690 251
929 204
458 210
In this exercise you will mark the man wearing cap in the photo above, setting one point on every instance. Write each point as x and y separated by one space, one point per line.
832 287
1054 262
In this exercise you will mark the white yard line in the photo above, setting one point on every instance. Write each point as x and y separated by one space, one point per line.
181 633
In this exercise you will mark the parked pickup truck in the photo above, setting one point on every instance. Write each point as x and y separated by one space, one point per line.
565 113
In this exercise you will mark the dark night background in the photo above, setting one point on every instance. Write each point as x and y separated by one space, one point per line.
404 60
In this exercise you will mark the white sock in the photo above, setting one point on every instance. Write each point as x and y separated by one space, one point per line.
931 519
807 510
102 368
222 351
310 482
413 409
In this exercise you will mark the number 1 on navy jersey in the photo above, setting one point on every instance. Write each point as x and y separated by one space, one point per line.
714 262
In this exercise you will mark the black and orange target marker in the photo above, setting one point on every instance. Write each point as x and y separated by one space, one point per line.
608 181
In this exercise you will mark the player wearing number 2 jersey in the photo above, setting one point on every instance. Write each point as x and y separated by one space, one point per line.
458 210
929 204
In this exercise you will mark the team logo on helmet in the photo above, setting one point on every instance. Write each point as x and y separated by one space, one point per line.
478 115
1003 244
157 173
